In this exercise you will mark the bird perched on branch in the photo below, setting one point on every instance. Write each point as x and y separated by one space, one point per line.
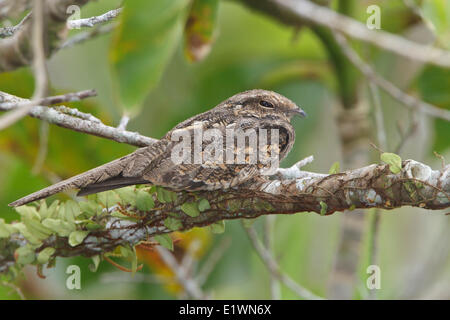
210 151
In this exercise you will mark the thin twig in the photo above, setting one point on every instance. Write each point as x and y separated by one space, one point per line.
190 286
92 21
60 119
123 122
212 260
309 11
274 268
379 118
269 225
9 31
69 97
404 136
406 99
87 35
43 147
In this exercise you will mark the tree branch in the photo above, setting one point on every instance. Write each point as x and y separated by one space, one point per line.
406 99
300 12
75 120
92 21
374 186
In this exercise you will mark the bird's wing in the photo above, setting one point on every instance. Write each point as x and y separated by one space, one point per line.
115 174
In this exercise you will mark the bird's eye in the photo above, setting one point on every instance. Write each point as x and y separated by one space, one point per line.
265 104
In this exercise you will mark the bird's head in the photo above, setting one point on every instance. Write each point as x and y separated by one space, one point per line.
263 104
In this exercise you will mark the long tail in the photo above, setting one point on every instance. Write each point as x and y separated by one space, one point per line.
105 177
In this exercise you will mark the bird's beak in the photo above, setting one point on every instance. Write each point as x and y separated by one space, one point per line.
299 112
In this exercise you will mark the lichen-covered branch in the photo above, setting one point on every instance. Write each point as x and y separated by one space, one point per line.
74 119
92 21
125 217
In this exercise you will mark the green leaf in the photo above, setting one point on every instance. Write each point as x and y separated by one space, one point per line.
108 198
77 237
4 231
142 46
23 230
172 224
28 212
60 227
218 227
393 160
25 255
165 240
36 228
96 262
90 208
45 255
334 168
323 208
165 196
203 205
191 209
127 195
199 31
69 211
144 201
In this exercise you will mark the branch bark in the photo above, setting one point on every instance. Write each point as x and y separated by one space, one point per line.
75 120
374 186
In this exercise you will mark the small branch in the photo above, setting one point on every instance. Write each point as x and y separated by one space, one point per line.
60 119
190 286
379 118
274 268
123 122
309 11
374 186
18 108
406 99
10 31
212 260
87 35
6 105
74 112
404 136
92 21
269 226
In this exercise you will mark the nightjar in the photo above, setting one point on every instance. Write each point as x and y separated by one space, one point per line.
239 139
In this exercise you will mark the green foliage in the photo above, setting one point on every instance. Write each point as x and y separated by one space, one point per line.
203 205
165 196
191 209
334 168
144 201
218 227
143 44
165 240
172 224
393 160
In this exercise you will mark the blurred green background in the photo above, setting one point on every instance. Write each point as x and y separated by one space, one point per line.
250 51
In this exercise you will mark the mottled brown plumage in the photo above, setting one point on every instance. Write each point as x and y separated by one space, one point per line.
254 109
